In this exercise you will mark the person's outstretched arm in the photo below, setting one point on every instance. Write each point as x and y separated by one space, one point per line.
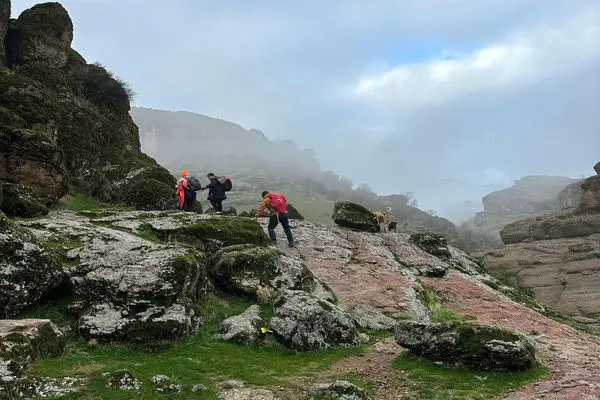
264 204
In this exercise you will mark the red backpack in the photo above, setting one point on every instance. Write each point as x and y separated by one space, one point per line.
278 203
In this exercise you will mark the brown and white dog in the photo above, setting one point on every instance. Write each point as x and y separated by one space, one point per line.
383 219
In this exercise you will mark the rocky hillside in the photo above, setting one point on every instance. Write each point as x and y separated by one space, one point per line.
65 124
107 303
528 197
556 256
202 144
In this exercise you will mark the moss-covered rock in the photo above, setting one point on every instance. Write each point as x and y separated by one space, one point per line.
226 231
46 33
20 201
137 291
260 272
65 122
475 346
27 269
354 216
24 341
306 323
432 243
150 195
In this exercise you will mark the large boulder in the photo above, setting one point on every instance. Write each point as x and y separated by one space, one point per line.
211 233
354 216
597 168
243 328
257 271
46 33
590 199
137 291
28 269
24 341
475 346
4 18
570 196
305 323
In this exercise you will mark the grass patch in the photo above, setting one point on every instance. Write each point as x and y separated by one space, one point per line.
439 312
438 382
76 202
201 359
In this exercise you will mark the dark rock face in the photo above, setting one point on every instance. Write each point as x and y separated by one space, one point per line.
27 269
475 346
4 19
20 201
597 168
65 122
293 213
354 216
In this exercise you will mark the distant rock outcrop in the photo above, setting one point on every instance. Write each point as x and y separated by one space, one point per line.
64 122
597 168
556 256
528 197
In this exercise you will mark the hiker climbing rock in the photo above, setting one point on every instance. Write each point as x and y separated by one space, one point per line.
277 204
186 191
216 191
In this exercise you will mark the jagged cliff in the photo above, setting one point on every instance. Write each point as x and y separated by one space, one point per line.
65 123
556 256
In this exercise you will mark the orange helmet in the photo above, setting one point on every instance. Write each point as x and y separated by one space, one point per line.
184 172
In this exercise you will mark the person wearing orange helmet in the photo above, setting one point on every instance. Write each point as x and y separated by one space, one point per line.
185 196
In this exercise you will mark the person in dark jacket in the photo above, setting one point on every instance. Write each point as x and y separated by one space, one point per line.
216 192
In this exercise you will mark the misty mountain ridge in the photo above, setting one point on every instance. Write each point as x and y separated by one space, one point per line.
201 144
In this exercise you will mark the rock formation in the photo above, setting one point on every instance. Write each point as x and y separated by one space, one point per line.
528 197
556 256
65 122
479 347
354 216
597 168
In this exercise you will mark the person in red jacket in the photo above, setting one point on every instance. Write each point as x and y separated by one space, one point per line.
277 204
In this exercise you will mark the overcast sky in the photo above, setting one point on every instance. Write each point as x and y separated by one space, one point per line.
449 99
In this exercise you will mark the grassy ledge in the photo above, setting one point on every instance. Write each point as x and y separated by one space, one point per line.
437 382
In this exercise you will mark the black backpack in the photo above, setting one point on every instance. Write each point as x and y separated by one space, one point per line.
194 183
226 182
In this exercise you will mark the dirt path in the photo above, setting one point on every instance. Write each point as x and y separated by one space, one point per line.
375 366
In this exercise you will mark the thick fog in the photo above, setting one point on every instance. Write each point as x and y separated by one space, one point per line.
447 99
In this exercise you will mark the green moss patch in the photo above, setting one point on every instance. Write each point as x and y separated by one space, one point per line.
20 201
432 243
229 231
437 382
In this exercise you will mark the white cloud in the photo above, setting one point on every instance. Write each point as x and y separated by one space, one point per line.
522 59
